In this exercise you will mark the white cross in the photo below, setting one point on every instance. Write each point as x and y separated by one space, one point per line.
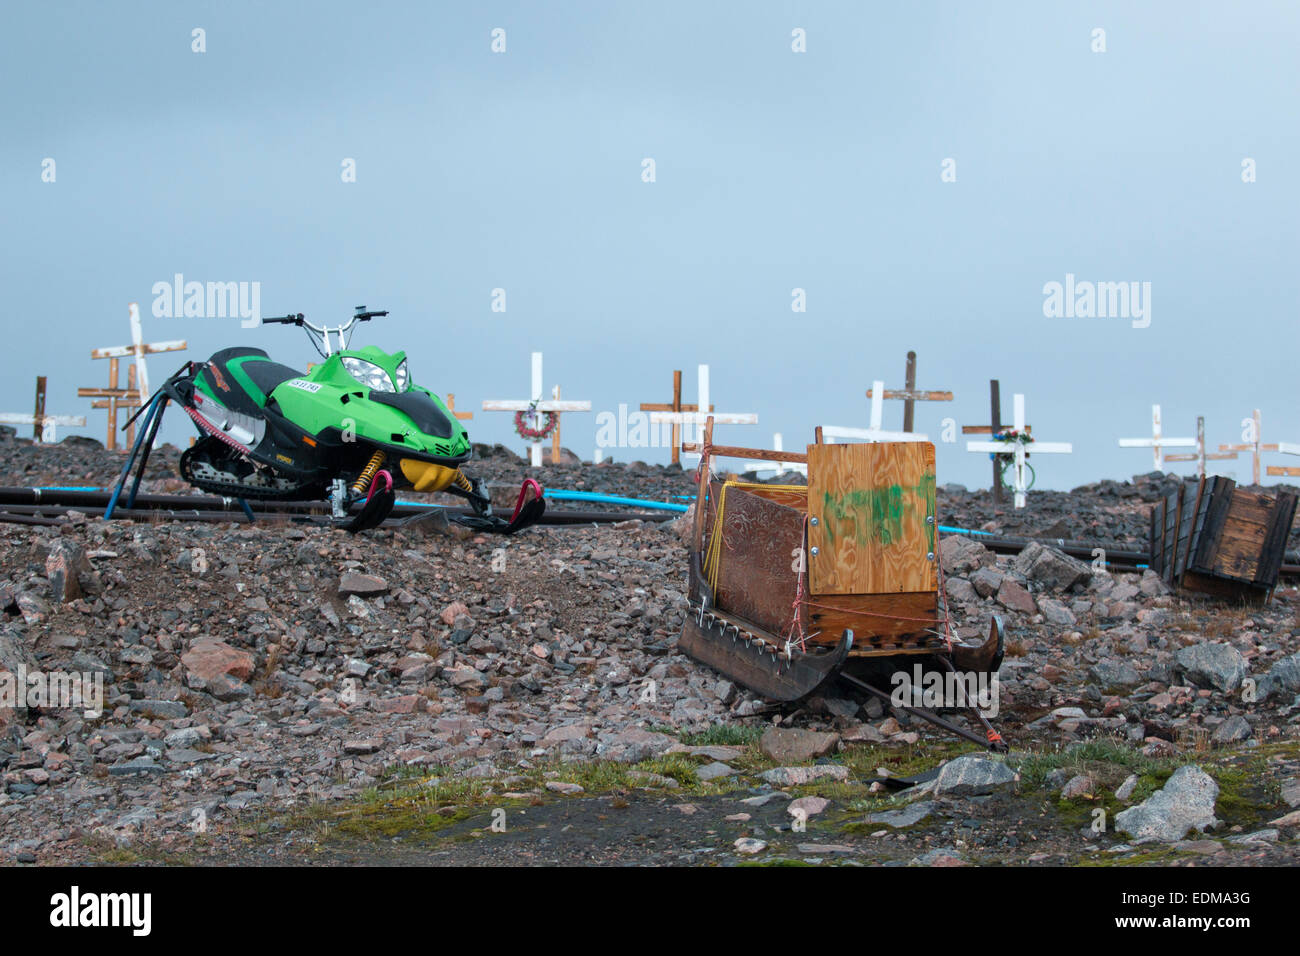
875 432
538 407
699 417
761 467
138 349
47 422
1020 483
1157 441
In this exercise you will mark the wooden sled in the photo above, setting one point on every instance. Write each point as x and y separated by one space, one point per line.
791 583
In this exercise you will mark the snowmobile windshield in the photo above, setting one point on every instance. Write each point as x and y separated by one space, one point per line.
369 374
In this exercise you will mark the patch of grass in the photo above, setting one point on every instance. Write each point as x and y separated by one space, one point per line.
108 853
727 735
864 759
420 802
1101 755
1159 856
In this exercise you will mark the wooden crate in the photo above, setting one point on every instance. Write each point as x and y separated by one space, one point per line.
1212 536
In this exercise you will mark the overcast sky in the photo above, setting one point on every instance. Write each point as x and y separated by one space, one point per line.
775 170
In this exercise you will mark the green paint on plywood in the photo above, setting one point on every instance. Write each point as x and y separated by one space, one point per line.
877 516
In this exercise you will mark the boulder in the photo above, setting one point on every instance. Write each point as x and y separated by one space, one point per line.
794 745
1282 678
986 581
1233 730
1015 598
1109 672
793 776
210 658
971 775
1216 666
1184 803
1052 569
362 585
960 555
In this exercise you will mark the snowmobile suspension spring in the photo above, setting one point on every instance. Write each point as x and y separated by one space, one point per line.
363 480
461 482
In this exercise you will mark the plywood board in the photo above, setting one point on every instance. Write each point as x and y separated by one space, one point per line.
871 503
878 621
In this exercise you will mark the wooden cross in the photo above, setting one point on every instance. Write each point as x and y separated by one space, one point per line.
1020 482
762 467
993 428
909 394
877 394
537 407
137 391
1199 456
676 407
42 424
1255 447
695 414
1157 441
451 407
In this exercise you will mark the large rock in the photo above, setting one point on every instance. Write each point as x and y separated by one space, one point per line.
1053 569
1233 730
1282 678
633 745
69 571
972 774
1055 612
362 585
959 554
793 745
1216 666
1015 598
986 581
1186 802
793 776
210 659
1109 672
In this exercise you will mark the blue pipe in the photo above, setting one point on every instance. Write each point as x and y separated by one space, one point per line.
612 499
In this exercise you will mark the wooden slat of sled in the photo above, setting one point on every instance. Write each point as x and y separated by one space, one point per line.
791 499
872 633
871 502
735 451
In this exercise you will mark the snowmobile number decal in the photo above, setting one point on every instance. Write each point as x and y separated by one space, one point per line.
305 386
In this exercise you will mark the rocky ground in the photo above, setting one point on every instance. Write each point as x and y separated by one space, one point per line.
287 692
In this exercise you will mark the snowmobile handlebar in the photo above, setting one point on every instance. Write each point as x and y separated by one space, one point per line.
321 334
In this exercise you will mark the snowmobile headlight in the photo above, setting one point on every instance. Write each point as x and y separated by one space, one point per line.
402 377
368 374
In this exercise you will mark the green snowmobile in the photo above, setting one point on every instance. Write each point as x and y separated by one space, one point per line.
353 428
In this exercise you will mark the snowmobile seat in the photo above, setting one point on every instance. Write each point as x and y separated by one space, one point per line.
228 370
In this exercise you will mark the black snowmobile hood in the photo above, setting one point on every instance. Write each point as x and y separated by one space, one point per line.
423 412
